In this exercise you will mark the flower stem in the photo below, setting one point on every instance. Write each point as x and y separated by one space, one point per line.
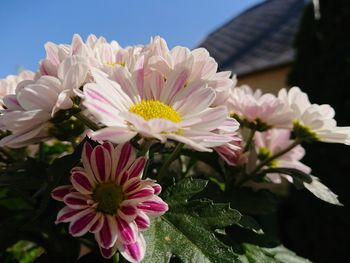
145 147
267 161
249 140
88 123
170 159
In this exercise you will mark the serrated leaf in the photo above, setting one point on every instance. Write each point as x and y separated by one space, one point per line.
187 230
280 254
321 191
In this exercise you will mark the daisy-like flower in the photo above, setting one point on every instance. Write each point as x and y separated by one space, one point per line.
165 109
273 141
313 122
263 111
35 102
197 67
9 84
56 54
108 198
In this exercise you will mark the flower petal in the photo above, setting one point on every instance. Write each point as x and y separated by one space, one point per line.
66 214
107 236
155 206
76 200
127 232
83 224
60 192
133 252
101 163
82 182
137 167
142 220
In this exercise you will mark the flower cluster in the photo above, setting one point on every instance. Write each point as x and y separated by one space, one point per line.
127 100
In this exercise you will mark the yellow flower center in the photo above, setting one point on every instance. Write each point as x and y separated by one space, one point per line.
150 109
113 64
108 197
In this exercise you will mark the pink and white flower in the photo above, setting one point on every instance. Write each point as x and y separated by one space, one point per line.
9 84
265 110
162 109
35 102
108 198
313 121
197 67
273 141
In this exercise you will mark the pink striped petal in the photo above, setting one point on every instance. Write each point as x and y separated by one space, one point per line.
131 185
97 226
83 224
123 152
136 168
76 200
60 192
157 189
127 212
142 220
86 158
107 236
101 163
127 232
66 214
155 206
142 194
82 182
133 252
109 147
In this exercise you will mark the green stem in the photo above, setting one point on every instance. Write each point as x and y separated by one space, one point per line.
170 159
145 147
249 140
267 161
88 123
116 258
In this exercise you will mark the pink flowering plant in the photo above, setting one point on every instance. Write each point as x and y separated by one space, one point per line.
149 154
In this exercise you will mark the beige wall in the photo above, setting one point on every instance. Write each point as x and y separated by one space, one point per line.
268 80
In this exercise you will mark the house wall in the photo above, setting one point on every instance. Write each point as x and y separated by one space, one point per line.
271 80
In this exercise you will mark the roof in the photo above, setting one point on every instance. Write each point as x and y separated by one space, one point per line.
257 39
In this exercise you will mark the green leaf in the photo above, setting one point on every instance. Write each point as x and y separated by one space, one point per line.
280 254
187 229
322 192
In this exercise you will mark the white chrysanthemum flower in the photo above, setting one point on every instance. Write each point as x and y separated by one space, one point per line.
164 110
312 121
274 141
262 110
35 102
9 84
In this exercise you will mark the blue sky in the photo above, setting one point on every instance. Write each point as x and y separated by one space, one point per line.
25 26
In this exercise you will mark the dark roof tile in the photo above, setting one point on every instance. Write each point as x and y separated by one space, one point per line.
257 39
